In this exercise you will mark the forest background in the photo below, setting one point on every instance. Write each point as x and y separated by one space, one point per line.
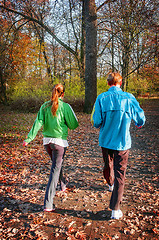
77 43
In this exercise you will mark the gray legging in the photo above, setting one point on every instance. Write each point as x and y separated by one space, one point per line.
56 153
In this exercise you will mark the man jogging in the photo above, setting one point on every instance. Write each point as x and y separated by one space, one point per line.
112 113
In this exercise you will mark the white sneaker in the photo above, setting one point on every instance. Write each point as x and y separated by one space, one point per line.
111 188
116 214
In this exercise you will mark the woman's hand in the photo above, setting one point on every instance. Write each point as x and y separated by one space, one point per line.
25 143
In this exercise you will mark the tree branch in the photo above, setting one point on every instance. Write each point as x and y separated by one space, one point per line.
43 26
105 2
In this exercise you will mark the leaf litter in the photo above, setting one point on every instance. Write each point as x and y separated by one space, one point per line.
83 211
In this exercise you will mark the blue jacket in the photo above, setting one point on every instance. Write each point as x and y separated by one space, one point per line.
112 113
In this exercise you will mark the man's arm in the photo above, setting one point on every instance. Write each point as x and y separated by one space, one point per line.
138 114
96 116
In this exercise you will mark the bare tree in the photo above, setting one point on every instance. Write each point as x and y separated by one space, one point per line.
128 24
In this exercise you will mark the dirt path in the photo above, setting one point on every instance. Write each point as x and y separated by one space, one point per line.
83 212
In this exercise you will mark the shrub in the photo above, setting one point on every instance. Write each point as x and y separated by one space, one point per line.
28 97
102 85
30 104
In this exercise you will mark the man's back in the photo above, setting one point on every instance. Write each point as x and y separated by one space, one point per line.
113 112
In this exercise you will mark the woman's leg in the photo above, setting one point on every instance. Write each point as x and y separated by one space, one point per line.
57 153
62 179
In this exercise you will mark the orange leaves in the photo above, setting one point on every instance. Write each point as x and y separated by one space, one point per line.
2 179
105 236
20 52
82 213
75 234
156 231
80 235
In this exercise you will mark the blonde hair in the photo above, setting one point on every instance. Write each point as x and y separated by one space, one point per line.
114 78
57 91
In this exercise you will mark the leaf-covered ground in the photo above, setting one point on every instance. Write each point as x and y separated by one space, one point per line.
82 212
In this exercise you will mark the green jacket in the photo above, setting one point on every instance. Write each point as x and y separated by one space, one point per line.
54 126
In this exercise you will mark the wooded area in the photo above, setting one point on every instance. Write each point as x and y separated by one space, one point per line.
77 43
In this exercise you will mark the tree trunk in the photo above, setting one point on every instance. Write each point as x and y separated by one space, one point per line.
125 69
3 96
54 61
113 68
91 55
40 35
48 66
83 45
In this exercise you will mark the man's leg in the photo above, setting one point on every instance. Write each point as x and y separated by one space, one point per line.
120 165
108 171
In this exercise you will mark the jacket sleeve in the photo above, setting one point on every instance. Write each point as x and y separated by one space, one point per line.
36 126
137 113
70 117
96 116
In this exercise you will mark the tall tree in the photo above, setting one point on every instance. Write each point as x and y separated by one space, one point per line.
91 55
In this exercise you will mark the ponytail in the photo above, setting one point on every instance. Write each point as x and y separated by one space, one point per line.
57 91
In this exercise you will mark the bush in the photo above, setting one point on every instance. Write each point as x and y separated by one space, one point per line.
26 89
74 89
102 85
76 104
28 97
30 104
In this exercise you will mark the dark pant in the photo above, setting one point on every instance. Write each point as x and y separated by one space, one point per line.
114 173
56 153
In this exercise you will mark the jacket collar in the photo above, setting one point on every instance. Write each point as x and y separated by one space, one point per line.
114 88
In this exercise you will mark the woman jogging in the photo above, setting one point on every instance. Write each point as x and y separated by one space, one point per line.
56 117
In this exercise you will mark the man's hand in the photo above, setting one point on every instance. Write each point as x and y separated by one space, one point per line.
25 143
139 127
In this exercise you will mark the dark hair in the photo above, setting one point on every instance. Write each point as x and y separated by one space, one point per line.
114 78
57 91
